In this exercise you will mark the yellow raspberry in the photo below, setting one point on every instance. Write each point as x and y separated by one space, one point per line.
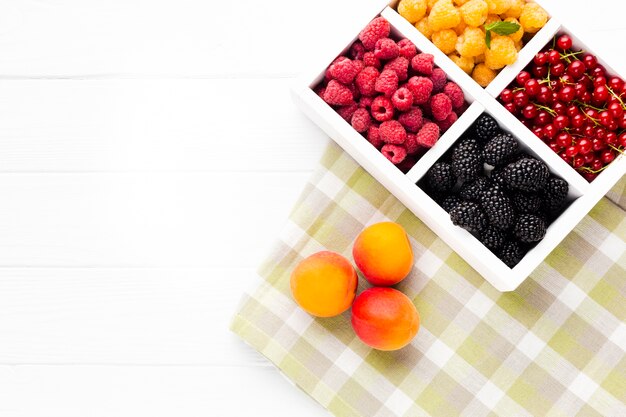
492 18
516 9
460 2
533 17
444 16
431 3
460 28
479 59
498 6
424 27
412 10
483 75
474 12
502 52
445 40
465 63
471 43
517 36
519 45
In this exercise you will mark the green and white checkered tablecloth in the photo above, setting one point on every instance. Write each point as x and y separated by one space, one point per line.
554 347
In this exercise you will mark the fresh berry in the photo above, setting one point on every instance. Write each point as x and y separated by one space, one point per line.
428 135
492 238
366 102
395 153
407 49
370 60
498 208
467 160
346 112
471 43
411 144
500 148
449 203
413 10
382 109
469 216
421 87
392 132
439 177
343 70
564 42
402 99
361 120
446 123
555 194
337 94
501 53
375 30
526 174
387 82
439 80
386 49
445 40
357 51
373 137
470 190
533 17
423 63
401 67
486 127
527 203
366 81
483 75
529 228
455 93
511 253
443 15
412 120
441 106
474 12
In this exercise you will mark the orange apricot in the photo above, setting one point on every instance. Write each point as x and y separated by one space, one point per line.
383 253
324 284
384 318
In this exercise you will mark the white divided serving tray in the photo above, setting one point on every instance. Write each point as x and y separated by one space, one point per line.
584 195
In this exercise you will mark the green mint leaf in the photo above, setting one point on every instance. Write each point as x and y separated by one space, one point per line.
488 39
503 28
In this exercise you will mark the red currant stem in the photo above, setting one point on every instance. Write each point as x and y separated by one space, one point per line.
616 96
566 56
587 169
548 109
581 104
566 83
616 149
544 81
515 90
595 122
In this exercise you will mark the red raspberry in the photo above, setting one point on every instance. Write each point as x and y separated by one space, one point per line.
376 29
386 49
359 65
343 70
441 106
407 49
346 112
361 120
402 99
357 50
337 94
447 122
366 102
400 65
382 109
423 63
439 80
394 153
421 87
412 120
392 132
366 81
387 82
373 137
406 165
411 145
428 135
455 93
369 60
319 90
356 94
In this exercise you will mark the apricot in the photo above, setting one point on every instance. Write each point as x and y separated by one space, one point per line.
384 318
383 253
324 284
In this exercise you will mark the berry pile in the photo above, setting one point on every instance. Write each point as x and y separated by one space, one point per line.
505 197
480 36
391 94
570 102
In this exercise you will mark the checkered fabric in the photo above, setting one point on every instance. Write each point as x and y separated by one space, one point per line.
554 347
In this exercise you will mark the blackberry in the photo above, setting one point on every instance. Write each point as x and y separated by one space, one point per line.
497 177
439 177
492 238
471 190
529 228
555 193
469 216
511 253
467 159
450 202
526 175
498 208
500 149
486 127
526 203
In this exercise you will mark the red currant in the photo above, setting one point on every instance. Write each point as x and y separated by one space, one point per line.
616 84
558 69
555 147
596 164
607 157
590 131
578 120
572 110
585 97
540 71
578 162
622 121
549 131
540 59
564 156
580 88
564 139
613 125
506 95
611 139
576 69
532 87
543 118
529 111
598 144
599 81
522 77
584 146
601 133
571 151
520 99
564 42
616 110
567 94
605 118
590 176
554 57
511 107
561 122
559 108
601 93
622 140
590 61
538 131
589 157
598 71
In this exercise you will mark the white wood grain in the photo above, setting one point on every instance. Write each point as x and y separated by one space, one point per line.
154 125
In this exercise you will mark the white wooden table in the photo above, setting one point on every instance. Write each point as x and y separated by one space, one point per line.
149 153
